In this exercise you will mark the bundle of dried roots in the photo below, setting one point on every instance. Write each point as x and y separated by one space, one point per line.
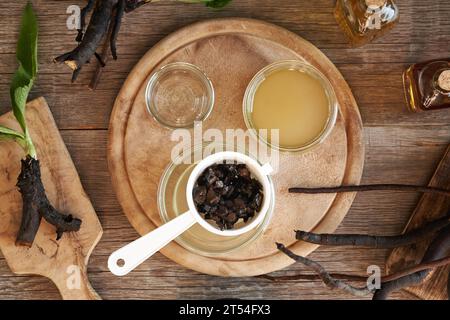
105 24
436 255
107 14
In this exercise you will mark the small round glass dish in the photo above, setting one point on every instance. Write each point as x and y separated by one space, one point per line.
313 73
172 203
179 94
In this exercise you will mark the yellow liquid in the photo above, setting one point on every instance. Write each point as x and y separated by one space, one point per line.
293 102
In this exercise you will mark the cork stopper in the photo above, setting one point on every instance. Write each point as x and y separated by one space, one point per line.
444 80
375 3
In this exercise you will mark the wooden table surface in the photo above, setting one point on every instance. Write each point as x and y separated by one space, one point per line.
401 147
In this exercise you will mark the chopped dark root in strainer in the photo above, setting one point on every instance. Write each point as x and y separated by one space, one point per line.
227 193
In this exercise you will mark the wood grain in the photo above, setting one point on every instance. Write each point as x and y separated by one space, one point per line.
381 100
63 261
430 207
400 147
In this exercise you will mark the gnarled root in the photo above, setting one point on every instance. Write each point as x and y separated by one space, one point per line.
372 241
107 14
36 205
436 255
438 249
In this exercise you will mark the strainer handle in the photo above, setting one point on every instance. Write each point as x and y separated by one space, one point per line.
127 258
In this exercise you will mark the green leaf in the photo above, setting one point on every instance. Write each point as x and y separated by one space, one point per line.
216 3
27 43
22 80
20 87
10 133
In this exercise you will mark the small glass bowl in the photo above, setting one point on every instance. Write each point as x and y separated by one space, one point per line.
197 239
178 94
302 67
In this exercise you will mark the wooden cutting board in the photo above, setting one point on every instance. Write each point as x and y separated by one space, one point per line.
231 51
63 261
430 207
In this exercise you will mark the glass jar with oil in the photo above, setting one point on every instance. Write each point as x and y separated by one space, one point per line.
293 98
427 85
366 20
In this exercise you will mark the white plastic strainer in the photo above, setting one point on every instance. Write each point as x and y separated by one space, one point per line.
124 260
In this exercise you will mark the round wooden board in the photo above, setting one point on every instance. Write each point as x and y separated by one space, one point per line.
231 51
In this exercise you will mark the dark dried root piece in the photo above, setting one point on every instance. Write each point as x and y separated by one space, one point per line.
371 241
83 14
31 188
434 257
312 277
372 187
75 74
62 222
438 249
95 32
351 277
36 205
116 27
327 279
107 15
134 4
99 59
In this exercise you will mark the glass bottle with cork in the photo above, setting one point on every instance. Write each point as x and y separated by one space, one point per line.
365 20
427 85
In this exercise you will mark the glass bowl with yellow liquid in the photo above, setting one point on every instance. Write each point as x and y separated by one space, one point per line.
172 203
292 100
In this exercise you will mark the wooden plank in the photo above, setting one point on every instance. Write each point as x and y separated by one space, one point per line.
365 68
401 147
56 260
389 151
162 279
430 207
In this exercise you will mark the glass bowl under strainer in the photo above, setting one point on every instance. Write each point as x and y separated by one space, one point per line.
178 94
172 203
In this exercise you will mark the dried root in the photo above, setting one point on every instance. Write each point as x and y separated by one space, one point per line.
437 255
352 277
107 15
36 205
372 187
438 249
370 241
327 279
